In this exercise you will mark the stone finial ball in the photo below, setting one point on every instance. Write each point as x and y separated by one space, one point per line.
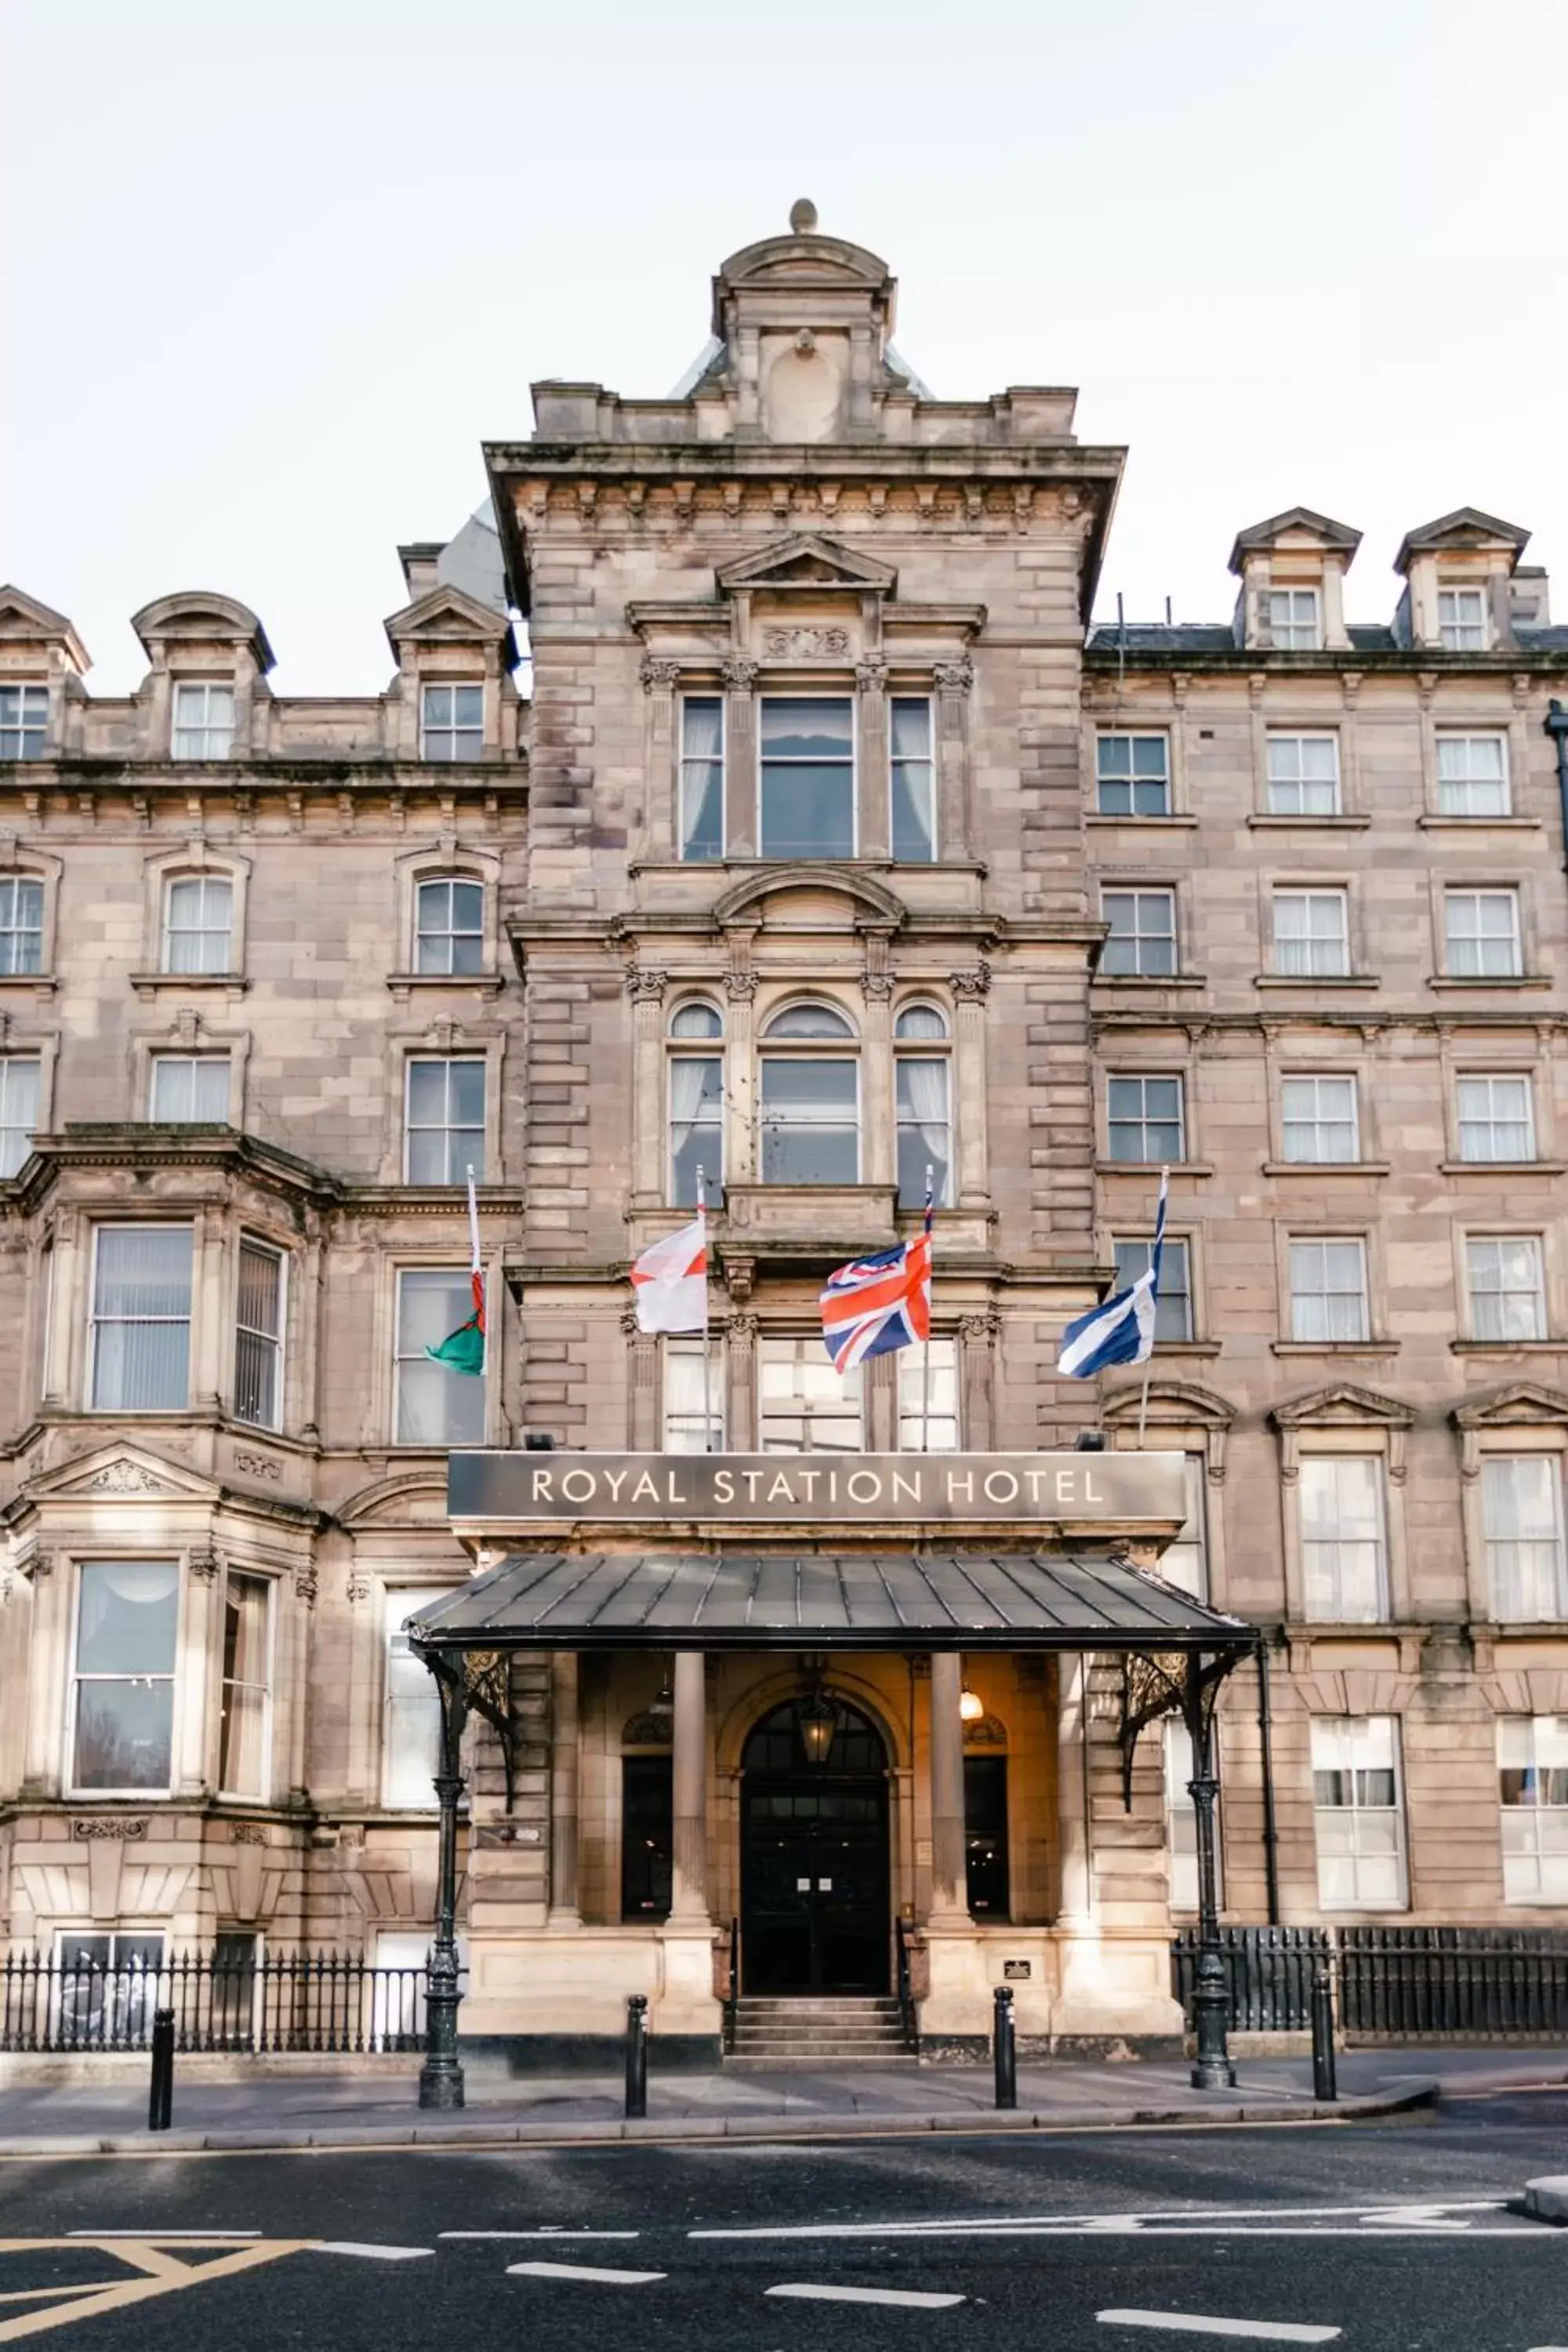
803 216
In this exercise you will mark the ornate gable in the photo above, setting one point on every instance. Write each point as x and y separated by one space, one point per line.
445 615
119 1474
1523 1404
805 564
1342 1406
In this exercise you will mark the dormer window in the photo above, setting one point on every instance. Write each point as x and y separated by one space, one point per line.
806 787
453 722
1462 620
204 720
1295 620
24 721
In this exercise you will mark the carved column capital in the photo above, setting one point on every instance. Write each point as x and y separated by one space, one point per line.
878 985
204 1566
643 985
954 677
741 1329
871 674
305 1585
979 1330
740 675
971 986
740 987
659 676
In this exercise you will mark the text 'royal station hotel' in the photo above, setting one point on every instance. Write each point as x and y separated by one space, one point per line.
831 843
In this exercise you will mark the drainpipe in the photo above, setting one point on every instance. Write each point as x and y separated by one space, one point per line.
1270 1829
1556 725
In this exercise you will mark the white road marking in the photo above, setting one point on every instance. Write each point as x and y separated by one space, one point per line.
376 2253
163 2237
904 2295
571 2236
1259 2331
584 2271
1029 2223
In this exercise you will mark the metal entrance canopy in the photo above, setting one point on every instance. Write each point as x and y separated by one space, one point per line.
1088 1599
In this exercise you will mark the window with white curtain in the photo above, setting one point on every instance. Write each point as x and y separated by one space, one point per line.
1318 1120
435 1405
123 1684
810 1100
1304 775
1521 1524
189 1088
1481 929
1532 1800
807 775
913 826
693 1396
1472 775
1345 1549
927 1397
1462 620
923 1081
198 923
141 1319
449 926
1358 1813
1506 1290
701 778
696 1105
411 1736
19 1110
21 926
1311 934
1496 1118
1328 1291
1181 1818
1294 626
204 720
803 1405
259 1336
244 1727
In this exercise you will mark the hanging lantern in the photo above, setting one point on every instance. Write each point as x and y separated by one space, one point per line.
664 1700
816 1720
971 1706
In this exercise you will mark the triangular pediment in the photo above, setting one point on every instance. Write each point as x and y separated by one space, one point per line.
1297 527
803 563
1342 1405
1466 526
119 1474
447 615
25 621
1522 1402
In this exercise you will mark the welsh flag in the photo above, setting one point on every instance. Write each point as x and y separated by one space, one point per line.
463 1350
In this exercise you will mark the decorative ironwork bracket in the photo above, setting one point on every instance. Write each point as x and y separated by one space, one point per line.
1171 1682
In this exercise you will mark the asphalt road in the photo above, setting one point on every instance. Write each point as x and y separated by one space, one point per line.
1399 2237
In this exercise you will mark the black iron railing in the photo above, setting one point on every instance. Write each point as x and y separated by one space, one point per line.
323 2003
1392 1983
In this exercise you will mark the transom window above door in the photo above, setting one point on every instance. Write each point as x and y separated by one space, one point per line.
810 1098
806 780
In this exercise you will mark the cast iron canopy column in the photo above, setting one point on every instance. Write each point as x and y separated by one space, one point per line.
441 2076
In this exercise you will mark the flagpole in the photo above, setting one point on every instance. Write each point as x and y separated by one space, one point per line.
475 1269
925 1368
1149 1366
708 1446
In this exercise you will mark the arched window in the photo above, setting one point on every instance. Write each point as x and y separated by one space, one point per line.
810 1098
774 1745
449 926
923 1058
695 1103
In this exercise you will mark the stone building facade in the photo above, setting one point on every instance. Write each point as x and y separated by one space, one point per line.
831 846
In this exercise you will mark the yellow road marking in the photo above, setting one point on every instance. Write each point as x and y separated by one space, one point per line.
161 2272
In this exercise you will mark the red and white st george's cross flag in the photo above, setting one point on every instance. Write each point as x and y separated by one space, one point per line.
669 1281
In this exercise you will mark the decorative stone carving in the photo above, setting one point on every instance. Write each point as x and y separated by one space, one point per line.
358 1585
204 1566
805 644
878 985
970 987
644 985
739 677
125 1478
661 676
630 1323
248 1834
871 674
740 987
989 1732
979 1330
131 1828
39 1565
259 1465
954 677
648 1730
305 1585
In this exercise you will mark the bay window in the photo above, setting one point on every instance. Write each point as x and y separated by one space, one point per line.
141 1319
122 1709
245 1729
806 780
259 1336
434 1405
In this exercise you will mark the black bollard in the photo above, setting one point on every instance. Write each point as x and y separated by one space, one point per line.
1324 2084
161 2097
1005 2048
637 2054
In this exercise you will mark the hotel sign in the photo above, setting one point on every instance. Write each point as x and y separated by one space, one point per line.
816 1491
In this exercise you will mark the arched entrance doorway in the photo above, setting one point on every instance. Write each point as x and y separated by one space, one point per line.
814 1852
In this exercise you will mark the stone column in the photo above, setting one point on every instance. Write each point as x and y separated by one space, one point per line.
740 1358
970 990
879 1160
739 759
874 830
646 989
1075 1898
689 1892
953 680
948 1894
740 1072
564 1910
659 681
642 1349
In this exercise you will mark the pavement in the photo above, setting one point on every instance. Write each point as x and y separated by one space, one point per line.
739 2103
1411 2237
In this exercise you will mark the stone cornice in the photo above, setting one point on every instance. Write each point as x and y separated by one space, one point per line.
262 771
187 1150
1200 1023
1242 661
969 923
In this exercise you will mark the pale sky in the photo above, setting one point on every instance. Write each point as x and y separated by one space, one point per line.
270 275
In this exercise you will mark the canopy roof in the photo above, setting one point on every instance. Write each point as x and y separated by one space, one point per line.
971 1600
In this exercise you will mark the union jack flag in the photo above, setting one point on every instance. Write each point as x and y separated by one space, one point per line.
874 1305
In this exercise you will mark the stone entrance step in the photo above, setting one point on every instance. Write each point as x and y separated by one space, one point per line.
819 2029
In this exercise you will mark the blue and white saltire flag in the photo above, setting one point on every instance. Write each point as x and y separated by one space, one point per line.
1121 1329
